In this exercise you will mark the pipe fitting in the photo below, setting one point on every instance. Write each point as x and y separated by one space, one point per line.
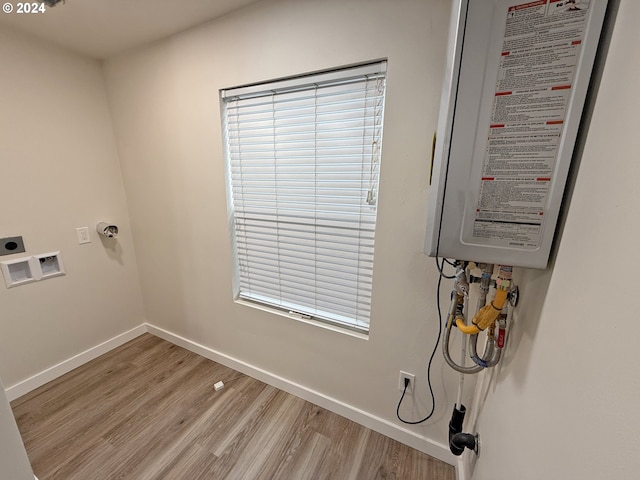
460 441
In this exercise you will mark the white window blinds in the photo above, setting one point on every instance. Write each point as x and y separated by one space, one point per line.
303 164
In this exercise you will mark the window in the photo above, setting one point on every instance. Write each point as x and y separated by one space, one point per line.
303 160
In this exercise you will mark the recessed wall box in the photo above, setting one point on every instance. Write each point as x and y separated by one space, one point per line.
32 269
20 271
50 265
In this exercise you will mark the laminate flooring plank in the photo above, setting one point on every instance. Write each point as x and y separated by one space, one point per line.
183 454
357 454
348 446
306 460
193 463
411 464
239 419
123 354
310 460
54 396
251 455
173 444
182 422
73 430
168 416
76 433
381 460
303 439
148 411
98 379
102 456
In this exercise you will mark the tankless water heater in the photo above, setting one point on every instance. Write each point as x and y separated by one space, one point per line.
515 85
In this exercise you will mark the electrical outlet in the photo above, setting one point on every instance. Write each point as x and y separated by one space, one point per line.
412 381
83 235
11 245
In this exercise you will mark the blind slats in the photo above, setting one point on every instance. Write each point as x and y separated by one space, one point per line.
303 160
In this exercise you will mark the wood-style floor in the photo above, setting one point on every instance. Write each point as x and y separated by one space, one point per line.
148 410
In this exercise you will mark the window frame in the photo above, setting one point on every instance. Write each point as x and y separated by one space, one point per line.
343 75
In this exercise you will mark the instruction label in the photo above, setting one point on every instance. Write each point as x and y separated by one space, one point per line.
538 62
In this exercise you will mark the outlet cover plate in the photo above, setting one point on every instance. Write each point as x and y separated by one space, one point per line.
412 381
82 233
11 245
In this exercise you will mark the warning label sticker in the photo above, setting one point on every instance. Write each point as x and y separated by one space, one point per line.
538 62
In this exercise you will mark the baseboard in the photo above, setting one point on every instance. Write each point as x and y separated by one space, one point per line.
76 361
380 425
462 470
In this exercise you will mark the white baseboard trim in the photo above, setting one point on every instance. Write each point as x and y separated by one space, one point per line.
51 373
461 470
380 425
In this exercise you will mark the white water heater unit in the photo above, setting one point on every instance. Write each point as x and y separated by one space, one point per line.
516 80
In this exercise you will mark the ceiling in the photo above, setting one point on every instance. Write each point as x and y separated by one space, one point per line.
103 28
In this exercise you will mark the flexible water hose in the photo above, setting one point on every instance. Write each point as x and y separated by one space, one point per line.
445 349
485 317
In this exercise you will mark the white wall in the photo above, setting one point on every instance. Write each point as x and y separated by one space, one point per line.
14 463
165 106
564 405
59 170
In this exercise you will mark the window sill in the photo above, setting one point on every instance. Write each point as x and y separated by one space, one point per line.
317 323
